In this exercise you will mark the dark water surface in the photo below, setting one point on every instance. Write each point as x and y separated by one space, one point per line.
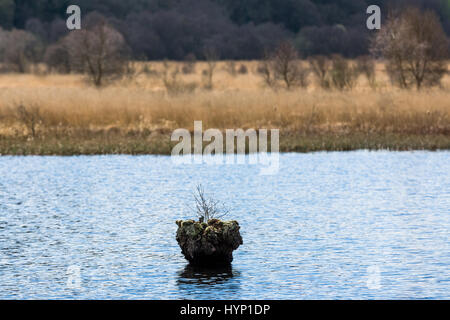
327 226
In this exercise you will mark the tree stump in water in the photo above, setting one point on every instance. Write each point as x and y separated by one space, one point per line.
208 244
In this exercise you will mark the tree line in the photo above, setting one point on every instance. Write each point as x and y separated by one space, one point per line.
412 41
236 29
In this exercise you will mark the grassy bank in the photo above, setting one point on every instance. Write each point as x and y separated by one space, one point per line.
63 115
160 144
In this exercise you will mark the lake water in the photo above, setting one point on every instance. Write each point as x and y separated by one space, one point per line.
356 225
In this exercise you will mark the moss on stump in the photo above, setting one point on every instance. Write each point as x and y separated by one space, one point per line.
209 243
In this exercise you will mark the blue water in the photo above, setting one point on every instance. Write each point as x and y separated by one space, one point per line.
357 225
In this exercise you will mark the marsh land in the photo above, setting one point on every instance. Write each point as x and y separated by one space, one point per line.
42 113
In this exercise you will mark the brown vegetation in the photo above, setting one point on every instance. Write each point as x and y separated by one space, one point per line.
98 50
320 66
283 65
62 114
416 48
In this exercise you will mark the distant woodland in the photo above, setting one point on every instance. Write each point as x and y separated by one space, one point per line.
235 29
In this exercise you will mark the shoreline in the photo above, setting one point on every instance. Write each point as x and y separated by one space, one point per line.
290 142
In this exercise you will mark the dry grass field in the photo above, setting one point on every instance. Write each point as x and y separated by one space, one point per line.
63 114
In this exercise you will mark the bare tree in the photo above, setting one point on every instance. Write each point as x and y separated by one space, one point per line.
208 208
29 116
415 46
98 50
284 65
320 66
211 57
287 66
266 70
366 66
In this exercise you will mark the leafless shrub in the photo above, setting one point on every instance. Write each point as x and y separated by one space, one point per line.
266 70
283 65
233 69
415 46
303 73
343 74
208 208
189 64
170 77
29 116
172 83
320 66
148 70
287 66
211 57
132 70
230 67
242 69
366 66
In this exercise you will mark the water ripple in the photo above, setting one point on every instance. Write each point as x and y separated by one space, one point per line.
358 225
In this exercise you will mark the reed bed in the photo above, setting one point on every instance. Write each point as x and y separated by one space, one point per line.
62 114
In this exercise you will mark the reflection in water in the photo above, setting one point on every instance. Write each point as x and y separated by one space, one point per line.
200 275
200 280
